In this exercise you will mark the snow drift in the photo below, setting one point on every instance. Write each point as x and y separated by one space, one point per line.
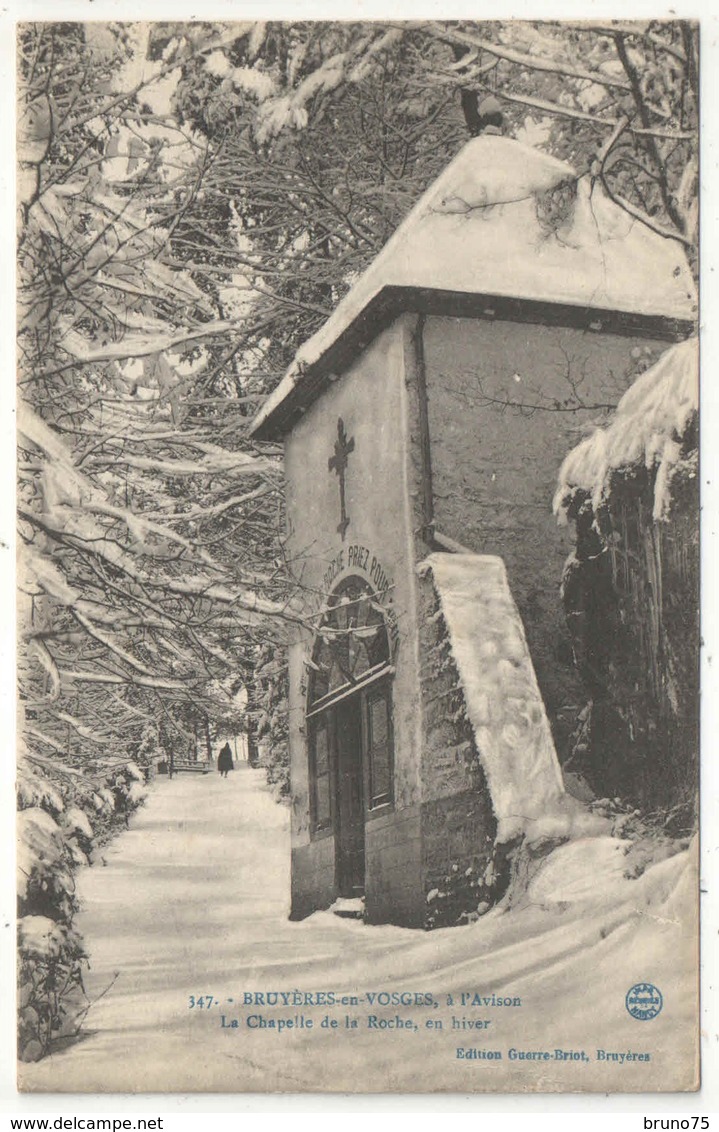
647 428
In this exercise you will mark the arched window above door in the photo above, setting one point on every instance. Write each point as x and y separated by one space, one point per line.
351 643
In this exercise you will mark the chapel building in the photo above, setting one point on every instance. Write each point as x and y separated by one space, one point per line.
424 426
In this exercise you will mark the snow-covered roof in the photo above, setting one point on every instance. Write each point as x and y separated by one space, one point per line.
502 697
647 429
481 229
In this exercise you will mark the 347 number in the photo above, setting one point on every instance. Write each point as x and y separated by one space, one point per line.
201 1002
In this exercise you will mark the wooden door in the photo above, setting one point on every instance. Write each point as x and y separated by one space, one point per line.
350 798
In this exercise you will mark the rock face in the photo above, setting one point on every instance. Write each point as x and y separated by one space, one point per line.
631 590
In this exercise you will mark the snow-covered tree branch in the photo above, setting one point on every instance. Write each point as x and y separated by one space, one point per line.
145 528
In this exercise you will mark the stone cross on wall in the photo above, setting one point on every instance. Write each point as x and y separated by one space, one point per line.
338 464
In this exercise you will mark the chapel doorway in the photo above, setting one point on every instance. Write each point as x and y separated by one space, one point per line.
349 715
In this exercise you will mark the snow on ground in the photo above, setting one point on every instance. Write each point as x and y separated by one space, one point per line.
193 900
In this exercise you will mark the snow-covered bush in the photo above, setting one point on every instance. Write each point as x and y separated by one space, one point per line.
44 861
147 750
52 958
60 825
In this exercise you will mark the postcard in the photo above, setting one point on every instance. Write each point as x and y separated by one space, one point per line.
358 556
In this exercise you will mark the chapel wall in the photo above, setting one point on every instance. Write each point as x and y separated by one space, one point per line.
313 877
503 411
371 398
394 891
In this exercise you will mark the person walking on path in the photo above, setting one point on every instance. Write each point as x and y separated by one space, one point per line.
224 761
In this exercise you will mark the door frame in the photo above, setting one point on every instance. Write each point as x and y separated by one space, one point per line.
347 841
328 714
353 607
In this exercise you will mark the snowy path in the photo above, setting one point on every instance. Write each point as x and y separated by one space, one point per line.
193 901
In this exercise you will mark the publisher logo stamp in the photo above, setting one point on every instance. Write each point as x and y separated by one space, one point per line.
644 1001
